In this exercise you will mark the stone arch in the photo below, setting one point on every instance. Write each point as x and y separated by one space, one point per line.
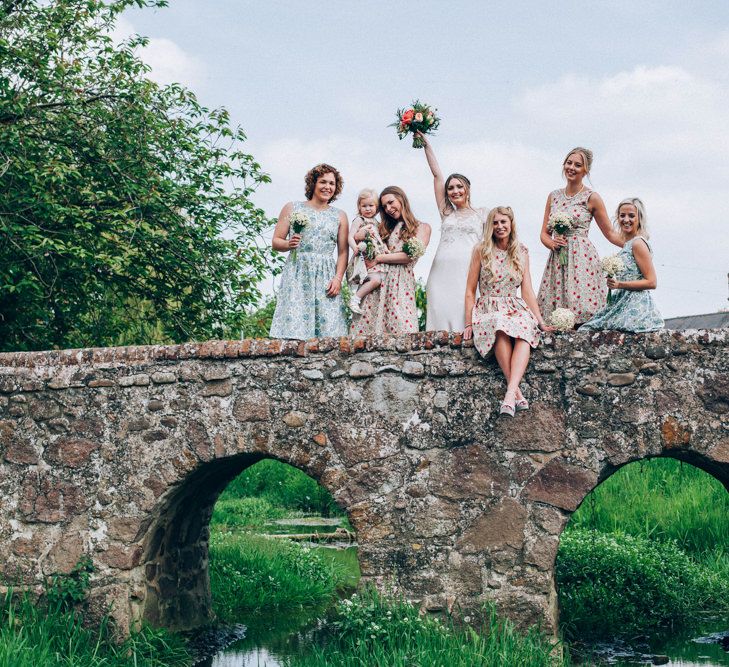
175 546
714 466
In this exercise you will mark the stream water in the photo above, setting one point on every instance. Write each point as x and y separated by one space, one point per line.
269 640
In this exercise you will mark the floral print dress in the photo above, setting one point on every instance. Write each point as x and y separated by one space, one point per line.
629 310
390 309
499 309
303 310
580 284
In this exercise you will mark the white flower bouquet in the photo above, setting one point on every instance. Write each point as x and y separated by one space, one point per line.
298 222
561 223
413 248
563 319
611 266
367 247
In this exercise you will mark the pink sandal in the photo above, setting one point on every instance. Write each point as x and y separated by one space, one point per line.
521 404
507 408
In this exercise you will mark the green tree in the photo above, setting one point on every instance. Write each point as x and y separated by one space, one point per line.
125 206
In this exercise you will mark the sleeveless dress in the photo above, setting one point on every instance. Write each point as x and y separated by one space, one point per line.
499 309
630 310
446 287
390 309
303 310
580 285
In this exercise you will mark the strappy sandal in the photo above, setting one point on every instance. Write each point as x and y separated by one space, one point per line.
506 408
521 404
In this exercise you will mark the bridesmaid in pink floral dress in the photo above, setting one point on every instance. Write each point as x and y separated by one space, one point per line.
577 283
500 319
391 309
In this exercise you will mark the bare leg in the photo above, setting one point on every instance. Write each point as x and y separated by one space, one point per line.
503 351
369 285
519 362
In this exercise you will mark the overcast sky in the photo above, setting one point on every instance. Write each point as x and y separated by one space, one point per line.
645 85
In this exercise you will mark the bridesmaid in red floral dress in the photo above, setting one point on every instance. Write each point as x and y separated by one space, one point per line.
500 319
391 309
576 281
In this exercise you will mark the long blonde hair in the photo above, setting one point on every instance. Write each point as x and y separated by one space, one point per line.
410 223
514 260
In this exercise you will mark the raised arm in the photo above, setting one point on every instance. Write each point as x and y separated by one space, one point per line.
527 293
280 241
438 180
645 264
597 208
474 269
335 284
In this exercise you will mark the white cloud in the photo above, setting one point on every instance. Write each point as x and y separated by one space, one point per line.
169 62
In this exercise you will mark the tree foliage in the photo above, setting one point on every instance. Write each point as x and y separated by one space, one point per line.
125 206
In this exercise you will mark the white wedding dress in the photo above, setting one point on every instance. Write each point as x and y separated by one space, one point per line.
446 287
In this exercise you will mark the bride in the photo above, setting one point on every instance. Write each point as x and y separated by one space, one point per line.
461 229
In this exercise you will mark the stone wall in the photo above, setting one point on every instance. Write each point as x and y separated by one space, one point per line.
120 453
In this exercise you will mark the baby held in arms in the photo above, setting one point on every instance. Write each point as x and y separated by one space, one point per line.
366 244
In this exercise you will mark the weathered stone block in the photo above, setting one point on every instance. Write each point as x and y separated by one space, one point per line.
71 452
254 406
503 524
467 472
561 484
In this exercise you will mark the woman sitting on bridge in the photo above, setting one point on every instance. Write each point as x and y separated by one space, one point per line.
631 307
500 319
308 302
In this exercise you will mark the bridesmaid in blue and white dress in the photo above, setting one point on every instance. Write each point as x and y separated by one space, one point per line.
631 307
460 230
308 302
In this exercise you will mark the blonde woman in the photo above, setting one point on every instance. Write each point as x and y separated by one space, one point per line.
500 319
632 307
573 277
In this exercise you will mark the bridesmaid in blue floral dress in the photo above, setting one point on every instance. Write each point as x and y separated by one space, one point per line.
631 307
308 302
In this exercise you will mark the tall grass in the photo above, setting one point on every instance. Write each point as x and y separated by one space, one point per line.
370 629
649 547
660 499
33 635
245 513
615 584
284 486
250 573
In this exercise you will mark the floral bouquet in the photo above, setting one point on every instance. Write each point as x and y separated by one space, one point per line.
418 117
563 319
298 222
413 248
561 223
612 265
367 247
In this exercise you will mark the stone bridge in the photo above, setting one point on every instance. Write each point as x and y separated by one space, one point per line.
121 453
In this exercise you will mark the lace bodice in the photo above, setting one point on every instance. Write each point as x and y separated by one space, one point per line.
462 227
320 235
576 207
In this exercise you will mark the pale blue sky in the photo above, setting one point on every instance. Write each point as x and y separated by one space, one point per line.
644 84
